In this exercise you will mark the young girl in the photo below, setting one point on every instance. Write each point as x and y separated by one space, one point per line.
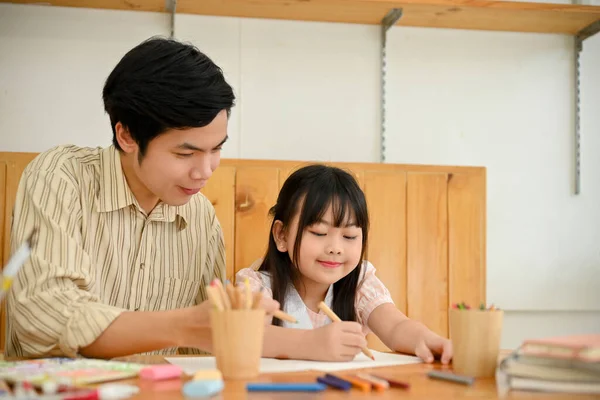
315 253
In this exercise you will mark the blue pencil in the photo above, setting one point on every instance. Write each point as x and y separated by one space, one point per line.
285 387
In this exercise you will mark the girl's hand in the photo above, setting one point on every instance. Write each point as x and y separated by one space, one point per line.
338 341
431 344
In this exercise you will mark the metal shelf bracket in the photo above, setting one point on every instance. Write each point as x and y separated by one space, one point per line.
390 19
585 33
171 6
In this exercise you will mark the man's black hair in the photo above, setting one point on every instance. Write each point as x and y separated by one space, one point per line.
164 84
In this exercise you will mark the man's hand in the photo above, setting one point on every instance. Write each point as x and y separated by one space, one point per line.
194 323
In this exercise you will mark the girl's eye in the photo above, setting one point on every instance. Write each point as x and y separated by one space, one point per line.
318 234
350 237
183 154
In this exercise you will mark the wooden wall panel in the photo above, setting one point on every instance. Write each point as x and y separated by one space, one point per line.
427 246
386 199
255 193
3 211
4 243
220 190
427 238
466 230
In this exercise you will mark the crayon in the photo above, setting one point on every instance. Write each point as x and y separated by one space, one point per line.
448 376
286 387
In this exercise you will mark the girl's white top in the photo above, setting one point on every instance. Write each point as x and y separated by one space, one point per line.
371 294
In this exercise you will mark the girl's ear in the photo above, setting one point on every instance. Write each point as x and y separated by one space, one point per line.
279 236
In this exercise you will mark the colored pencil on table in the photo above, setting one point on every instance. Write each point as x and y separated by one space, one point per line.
378 384
323 307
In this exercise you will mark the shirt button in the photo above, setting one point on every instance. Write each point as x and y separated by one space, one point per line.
142 265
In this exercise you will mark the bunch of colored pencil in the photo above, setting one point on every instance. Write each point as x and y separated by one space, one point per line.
362 381
482 307
239 298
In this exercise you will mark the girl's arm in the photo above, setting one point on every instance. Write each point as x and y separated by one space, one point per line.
404 335
338 341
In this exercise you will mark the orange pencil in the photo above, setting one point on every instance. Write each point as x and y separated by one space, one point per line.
335 318
378 384
358 383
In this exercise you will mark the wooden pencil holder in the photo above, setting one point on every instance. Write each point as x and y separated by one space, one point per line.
237 336
475 336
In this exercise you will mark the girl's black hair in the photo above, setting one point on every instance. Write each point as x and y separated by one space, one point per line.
310 191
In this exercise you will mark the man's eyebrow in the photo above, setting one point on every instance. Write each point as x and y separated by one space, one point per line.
189 146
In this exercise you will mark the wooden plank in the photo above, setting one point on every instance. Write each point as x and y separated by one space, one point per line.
355 169
14 165
427 246
458 14
255 193
220 190
129 5
466 194
386 198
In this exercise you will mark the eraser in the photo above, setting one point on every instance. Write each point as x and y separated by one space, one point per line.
202 388
160 371
208 375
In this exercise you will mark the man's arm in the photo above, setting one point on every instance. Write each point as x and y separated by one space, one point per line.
52 306
139 332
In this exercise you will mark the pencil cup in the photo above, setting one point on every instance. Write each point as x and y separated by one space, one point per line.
475 336
237 336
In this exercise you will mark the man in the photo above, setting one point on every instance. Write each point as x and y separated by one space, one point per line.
125 243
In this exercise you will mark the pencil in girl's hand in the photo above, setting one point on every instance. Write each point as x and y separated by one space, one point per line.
231 294
323 307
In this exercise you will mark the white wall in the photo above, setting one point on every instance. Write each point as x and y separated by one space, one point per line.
311 91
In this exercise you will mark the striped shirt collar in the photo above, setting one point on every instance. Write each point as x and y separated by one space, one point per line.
115 194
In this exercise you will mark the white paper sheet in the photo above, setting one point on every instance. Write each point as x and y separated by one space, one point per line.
270 365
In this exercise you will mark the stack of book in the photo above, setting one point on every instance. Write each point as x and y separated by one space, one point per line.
567 364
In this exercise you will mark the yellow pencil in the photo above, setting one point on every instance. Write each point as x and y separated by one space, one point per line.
323 307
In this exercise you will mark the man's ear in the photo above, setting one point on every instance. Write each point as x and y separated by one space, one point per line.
128 145
279 236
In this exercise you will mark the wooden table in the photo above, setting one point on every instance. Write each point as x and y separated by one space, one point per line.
422 387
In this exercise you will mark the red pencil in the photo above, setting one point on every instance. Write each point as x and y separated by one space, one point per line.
393 382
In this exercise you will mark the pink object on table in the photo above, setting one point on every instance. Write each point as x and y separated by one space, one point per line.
160 372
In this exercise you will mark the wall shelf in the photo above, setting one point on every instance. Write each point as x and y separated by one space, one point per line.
579 21
458 14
